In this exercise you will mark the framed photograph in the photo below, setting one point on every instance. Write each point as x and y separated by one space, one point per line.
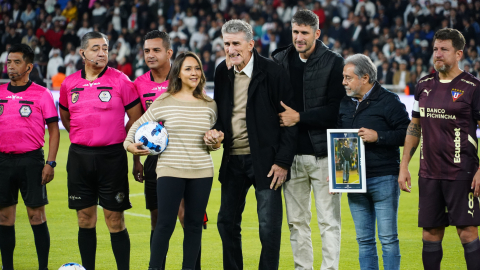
346 161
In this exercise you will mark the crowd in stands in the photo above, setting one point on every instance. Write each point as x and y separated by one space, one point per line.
396 34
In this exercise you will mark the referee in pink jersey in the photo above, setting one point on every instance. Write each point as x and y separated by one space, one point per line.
93 102
25 108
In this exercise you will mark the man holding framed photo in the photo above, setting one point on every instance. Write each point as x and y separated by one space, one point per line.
382 121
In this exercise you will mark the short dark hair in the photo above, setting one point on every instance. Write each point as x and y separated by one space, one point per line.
306 17
27 52
458 41
159 34
91 35
175 83
61 69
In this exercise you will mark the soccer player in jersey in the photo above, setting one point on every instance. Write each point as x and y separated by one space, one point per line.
93 102
25 108
446 112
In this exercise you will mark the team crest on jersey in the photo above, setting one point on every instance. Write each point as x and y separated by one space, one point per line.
105 96
75 97
148 103
1 109
456 93
120 196
25 111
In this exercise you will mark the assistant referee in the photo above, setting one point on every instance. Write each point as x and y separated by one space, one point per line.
93 102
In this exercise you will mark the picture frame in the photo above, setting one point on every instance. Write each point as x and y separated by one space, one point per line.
346 161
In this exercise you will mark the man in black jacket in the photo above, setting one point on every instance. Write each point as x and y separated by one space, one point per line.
382 122
257 151
347 161
316 76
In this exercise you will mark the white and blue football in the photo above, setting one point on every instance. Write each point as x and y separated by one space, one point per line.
154 137
71 266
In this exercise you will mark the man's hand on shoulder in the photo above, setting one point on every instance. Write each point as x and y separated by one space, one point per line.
289 117
279 176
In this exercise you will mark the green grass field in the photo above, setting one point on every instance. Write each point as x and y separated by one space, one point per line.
63 231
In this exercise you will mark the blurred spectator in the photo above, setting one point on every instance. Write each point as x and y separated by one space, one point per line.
29 37
12 37
69 36
28 15
402 77
70 12
344 7
84 29
198 39
112 59
42 30
122 48
132 24
58 78
70 62
190 21
99 14
384 74
55 60
3 61
50 6
54 36
119 15
318 10
58 17
125 67
15 13
208 65
284 12
369 8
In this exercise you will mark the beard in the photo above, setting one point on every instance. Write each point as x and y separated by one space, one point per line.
444 68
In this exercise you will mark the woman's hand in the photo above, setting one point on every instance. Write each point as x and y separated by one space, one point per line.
135 149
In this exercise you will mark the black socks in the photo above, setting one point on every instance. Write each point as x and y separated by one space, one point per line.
7 245
87 243
472 254
121 249
42 244
432 254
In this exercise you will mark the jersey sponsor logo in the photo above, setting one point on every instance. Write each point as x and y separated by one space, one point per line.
120 196
75 97
13 97
457 142
91 84
436 113
424 80
1 109
159 88
427 91
456 93
469 82
148 103
105 96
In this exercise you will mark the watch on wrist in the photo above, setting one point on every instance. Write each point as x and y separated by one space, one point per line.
51 163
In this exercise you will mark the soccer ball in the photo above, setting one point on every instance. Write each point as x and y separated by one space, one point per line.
71 266
154 137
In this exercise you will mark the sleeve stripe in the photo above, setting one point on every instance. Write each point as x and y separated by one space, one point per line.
63 107
416 106
51 119
132 104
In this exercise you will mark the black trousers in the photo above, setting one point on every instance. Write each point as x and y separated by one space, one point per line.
170 191
240 177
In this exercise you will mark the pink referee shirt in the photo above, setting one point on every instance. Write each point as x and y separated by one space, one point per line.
24 110
148 89
97 109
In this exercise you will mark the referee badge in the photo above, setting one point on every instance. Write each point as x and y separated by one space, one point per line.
1 109
75 96
25 111
120 196
148 103
105 96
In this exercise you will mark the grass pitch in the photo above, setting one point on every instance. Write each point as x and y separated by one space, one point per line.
63 227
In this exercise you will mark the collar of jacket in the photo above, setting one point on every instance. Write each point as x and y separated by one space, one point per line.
320 48
375 91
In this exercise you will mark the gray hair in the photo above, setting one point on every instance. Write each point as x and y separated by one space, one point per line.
363 66
91 35
306 17
237 26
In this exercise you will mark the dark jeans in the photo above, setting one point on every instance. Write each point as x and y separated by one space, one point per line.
170 191
237 182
